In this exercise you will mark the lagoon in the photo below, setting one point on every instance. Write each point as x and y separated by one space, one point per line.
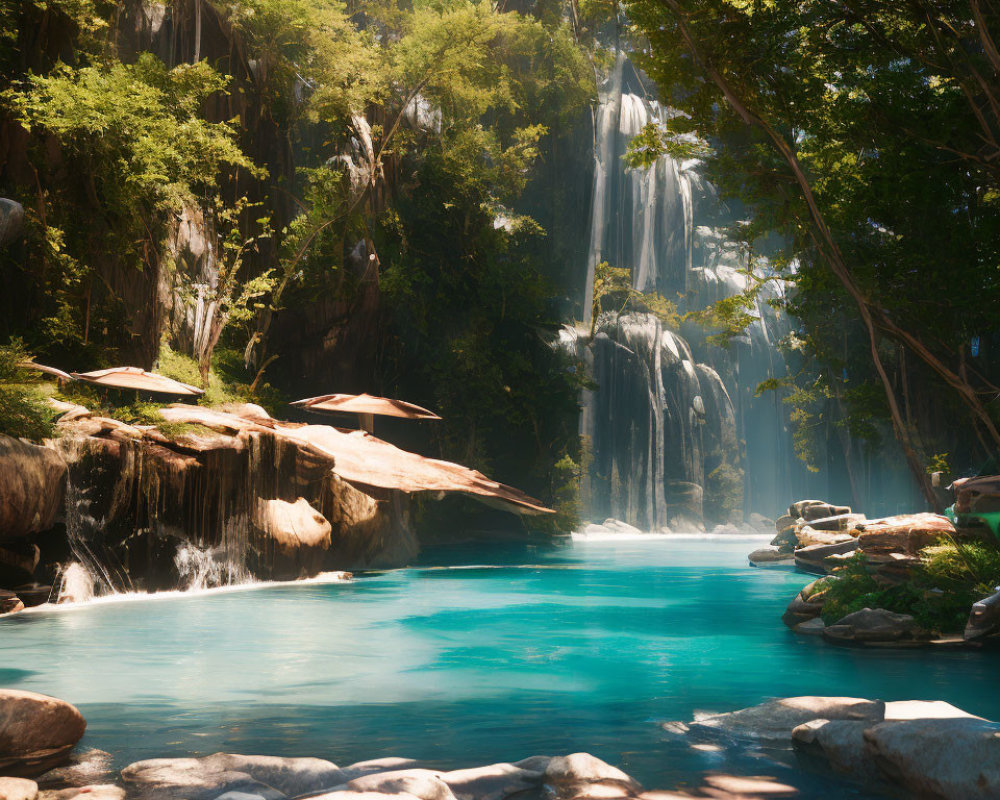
479 653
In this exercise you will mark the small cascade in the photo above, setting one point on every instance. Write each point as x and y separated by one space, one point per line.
76 584
207 568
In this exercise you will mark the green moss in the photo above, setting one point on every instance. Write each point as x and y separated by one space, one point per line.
174 430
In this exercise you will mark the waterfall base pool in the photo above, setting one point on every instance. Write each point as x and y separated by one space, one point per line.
582 646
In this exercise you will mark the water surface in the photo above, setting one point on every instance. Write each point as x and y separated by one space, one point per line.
478 655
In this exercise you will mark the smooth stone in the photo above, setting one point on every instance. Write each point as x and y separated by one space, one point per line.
903 710
841 743
951 758
18 789
376 765
83 769
192 779
775 720
769 555
423 783
493 782
37 732
105 791
534 763
10 602
33 594
569 775
874 625
34 482
811 627
347 794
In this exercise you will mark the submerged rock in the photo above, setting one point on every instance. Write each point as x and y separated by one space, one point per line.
207 778
37 732
875 625
774 721
81 769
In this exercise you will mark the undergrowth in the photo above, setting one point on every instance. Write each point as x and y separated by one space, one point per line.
23 411
938 594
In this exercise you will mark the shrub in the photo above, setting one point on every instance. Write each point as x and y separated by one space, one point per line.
23 412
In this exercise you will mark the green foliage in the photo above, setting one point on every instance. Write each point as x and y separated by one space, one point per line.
880 106
724 493
614 285
23 412
939 593
674 138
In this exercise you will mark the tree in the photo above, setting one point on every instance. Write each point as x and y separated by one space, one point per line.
817 107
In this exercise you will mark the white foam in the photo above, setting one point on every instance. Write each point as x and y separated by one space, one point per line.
174 594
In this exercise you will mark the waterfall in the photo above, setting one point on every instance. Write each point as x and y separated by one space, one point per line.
676 432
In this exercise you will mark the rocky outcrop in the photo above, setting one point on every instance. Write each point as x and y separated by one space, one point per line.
299 536
37 732
876 625
32 480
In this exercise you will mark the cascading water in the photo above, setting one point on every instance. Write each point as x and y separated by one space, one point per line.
676 429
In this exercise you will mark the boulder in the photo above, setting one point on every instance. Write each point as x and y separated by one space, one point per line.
907 533
82 769
298 534
33 594
769 555
346 794
11 220
807 604
206 778
10 602
32 485
18 561
875 625
774 721
423 783
841 744
493 782
811 627
580 774
372 766
18 789
841 522
822 558
817 510
106 791
760 523
946 758
37 732
808 536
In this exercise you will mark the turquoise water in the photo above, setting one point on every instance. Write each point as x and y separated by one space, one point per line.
582 646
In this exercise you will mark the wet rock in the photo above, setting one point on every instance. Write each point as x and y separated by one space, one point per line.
10 602
18 789
947 758
580 774
299 537
346 794
841 522
493 782
18 561
106 791
737 787
811 627
33 481
423 783
81 769
206 778
774 721
33 594
375 765
815 511
875 625
769 555
807 604
839 743
37 732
